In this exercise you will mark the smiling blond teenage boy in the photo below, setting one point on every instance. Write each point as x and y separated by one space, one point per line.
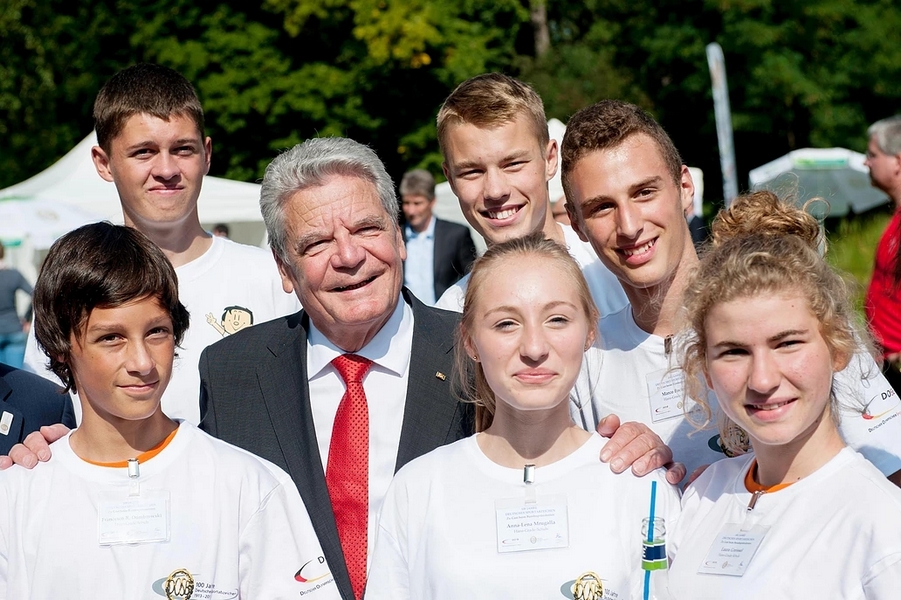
134 504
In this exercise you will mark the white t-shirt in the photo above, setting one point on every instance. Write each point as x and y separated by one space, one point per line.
605 288
228 275
628 373
438 531
237 525
833 534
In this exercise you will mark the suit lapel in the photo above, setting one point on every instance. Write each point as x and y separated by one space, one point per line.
429 409
286 392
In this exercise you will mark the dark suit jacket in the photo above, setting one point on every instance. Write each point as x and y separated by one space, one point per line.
698 230
33 402
255 395
453 255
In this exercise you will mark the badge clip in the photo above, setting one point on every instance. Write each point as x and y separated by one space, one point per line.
528 477
134 474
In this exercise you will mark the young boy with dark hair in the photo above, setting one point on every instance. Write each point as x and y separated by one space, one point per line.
134 504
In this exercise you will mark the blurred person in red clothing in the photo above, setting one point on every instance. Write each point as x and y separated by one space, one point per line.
883 302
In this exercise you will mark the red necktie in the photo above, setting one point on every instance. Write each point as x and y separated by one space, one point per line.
347 474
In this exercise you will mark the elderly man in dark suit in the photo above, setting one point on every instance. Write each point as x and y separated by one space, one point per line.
279 390
28 402
439 252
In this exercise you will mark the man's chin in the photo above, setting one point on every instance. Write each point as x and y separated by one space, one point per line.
497 235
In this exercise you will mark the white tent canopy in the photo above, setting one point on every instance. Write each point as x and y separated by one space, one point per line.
70 193
837 175
74 181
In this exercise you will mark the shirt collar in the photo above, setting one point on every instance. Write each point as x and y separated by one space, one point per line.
390 349
428 232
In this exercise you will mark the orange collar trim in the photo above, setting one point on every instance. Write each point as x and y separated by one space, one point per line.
142 458
752 486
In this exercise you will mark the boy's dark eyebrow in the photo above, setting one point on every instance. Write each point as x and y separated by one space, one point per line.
151 144
589 203
100 327
186 142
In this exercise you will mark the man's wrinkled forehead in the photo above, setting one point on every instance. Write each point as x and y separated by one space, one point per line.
348 207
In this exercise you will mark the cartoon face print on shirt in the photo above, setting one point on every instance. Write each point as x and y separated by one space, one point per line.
234 319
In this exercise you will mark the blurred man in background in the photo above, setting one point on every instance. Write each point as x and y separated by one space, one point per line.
883 301
439 252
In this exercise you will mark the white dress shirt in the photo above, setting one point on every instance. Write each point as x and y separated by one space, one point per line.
385 385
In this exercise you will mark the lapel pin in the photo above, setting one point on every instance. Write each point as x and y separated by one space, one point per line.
6 422
440 375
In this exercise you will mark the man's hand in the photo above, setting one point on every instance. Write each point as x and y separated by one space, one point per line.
634 444
36 447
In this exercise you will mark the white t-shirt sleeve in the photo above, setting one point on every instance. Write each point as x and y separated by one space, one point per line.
870 412
275 545
389 573
884 579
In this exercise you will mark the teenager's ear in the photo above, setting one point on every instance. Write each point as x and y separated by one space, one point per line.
687 189
551 157
101 163
208 151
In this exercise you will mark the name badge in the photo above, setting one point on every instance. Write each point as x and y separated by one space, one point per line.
732 550
666 390
534 525
133 519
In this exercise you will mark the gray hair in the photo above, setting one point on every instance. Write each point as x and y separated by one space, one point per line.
418 182
311 164
888 134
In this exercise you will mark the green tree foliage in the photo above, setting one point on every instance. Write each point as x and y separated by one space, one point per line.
401 59
271 77
808 72
50 69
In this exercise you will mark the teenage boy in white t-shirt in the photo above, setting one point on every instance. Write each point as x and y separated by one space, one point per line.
152 146
134 504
